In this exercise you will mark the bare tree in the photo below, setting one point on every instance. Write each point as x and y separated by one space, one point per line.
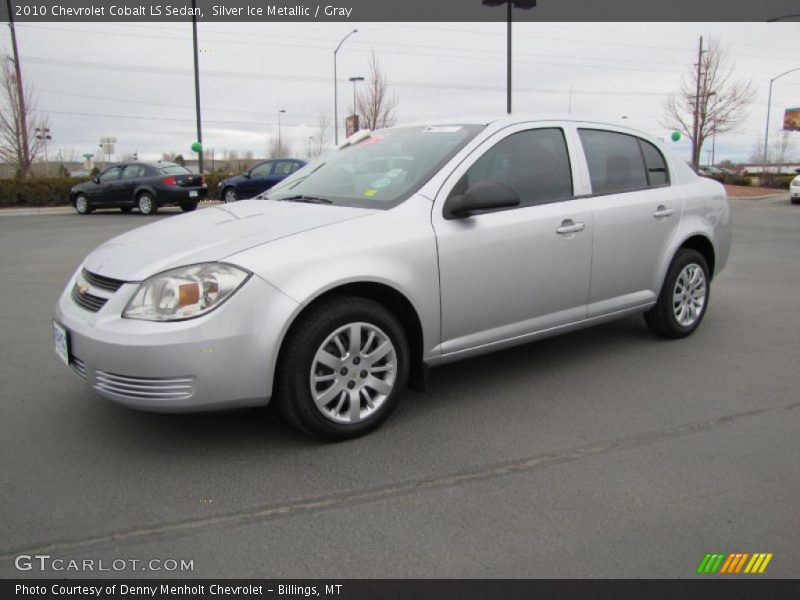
15 150
721 104
319 141
375 105
278 148
782 148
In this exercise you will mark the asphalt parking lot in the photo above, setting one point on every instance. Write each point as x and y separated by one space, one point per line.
602 453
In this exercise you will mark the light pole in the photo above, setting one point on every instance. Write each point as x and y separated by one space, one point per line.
197 90
335 90
280 144
354 80
769 108
511 4
43 134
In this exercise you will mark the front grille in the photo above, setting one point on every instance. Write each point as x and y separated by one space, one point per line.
78 366
177 388
88 301
99 281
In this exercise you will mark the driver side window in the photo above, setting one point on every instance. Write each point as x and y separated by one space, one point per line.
109 175
534 163
262 170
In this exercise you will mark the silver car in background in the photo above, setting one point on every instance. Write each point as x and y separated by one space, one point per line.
404 248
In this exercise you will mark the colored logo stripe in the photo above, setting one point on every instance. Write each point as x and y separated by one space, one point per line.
734 563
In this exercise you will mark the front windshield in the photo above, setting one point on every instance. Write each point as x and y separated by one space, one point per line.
379 171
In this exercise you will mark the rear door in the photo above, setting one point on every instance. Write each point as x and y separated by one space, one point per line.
636 214
283 168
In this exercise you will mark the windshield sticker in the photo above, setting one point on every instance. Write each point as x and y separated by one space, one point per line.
394 172
374 139
441 129
381 183
370 193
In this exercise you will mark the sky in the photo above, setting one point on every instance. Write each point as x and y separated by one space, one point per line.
134 81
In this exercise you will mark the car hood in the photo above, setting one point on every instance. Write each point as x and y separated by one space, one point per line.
210 234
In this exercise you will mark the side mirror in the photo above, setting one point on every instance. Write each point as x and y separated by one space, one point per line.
484 195
96 179
246 174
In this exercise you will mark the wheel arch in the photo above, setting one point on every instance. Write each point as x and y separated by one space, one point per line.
702 244
390 298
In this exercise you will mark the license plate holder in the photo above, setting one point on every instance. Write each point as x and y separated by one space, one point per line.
192 193
61 341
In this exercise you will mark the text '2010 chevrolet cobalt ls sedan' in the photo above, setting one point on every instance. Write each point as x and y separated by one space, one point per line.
404 248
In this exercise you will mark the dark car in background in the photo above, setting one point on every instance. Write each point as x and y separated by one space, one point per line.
143 185
259 178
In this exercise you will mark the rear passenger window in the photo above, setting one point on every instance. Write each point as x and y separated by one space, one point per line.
534 163
656 165
615 161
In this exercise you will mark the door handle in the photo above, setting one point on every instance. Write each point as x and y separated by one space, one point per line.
568 226
662 212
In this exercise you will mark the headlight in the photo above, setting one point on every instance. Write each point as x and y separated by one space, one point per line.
185 292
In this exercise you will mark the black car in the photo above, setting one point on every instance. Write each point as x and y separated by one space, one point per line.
142 185
258 179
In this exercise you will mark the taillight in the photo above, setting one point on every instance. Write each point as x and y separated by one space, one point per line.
202 179
170 181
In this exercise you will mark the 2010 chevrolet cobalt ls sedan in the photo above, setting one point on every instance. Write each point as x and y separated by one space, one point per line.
402 249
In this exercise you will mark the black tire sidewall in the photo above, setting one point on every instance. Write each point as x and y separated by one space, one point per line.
684 257
304 344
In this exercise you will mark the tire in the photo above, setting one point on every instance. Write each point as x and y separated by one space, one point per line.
229 194
82 205
687 279
126 209
333 416
146 204
189 207
795 200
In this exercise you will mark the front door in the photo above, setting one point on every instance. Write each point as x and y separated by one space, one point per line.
513 272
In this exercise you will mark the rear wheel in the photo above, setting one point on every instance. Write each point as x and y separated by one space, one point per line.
342 369
683 300
82 205
146 203
230 194
188 206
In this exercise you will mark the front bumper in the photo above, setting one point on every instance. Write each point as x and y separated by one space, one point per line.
795 192
218 361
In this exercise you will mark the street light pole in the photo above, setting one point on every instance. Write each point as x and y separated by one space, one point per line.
197 90
769 108
510 4
336 91
280 144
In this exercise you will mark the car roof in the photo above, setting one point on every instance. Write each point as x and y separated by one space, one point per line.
500 121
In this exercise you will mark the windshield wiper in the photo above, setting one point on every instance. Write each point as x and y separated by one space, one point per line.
309 199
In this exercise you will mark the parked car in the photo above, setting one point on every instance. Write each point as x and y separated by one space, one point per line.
336 288
143 185
258 179
794 190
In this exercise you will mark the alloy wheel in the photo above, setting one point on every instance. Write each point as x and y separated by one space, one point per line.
689 295
353 372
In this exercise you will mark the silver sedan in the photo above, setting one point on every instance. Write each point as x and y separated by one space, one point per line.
401 249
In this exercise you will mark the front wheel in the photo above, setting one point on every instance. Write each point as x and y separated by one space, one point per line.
82 205
147 204
230 195
342 369
682 303
795 200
